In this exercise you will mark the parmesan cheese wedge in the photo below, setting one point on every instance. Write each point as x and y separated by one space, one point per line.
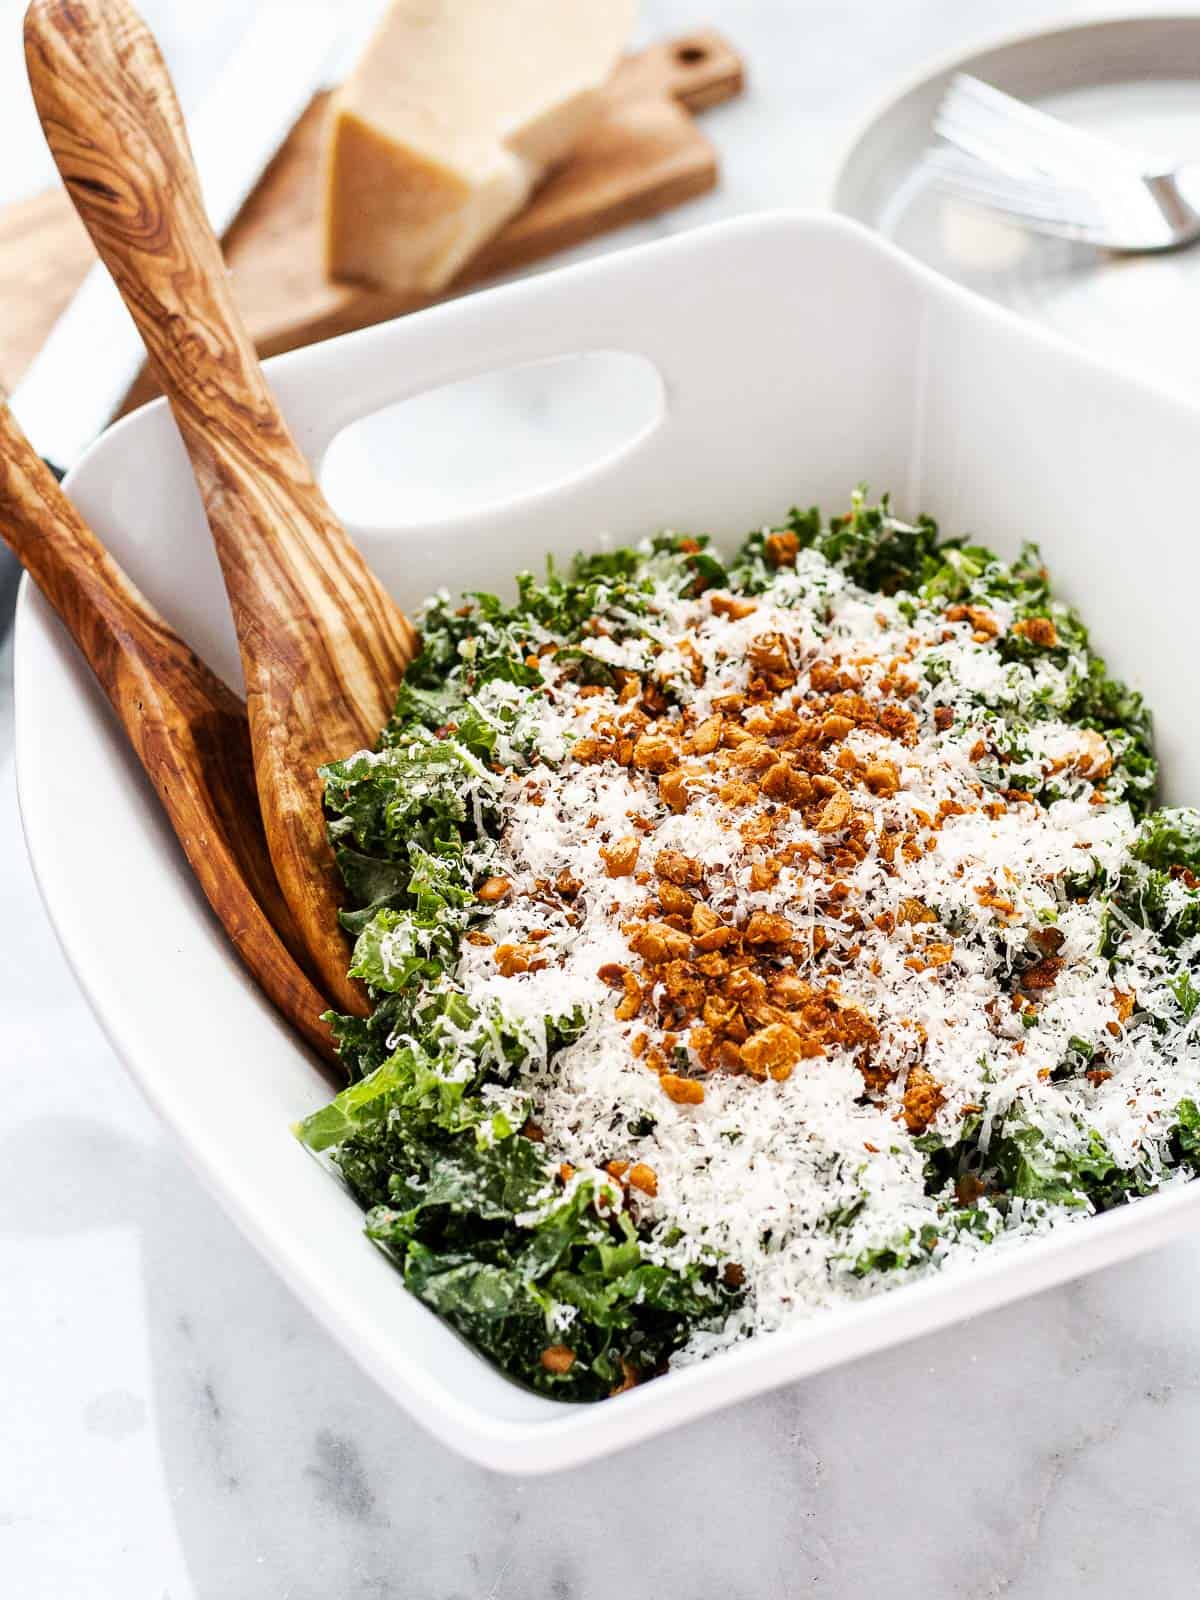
454 113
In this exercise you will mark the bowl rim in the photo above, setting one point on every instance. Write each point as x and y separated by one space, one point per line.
563 1434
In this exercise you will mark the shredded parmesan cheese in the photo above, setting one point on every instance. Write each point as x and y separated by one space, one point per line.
804 926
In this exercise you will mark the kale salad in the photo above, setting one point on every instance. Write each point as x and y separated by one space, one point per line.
745 937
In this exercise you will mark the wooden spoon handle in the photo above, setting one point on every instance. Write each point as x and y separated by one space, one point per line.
118 137
188 729
323 646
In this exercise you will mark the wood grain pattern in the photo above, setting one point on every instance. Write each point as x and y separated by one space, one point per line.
188 729
644 154
323 646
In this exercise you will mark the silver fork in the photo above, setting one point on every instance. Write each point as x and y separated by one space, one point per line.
1052 178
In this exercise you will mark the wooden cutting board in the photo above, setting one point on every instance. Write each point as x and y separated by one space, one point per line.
643 155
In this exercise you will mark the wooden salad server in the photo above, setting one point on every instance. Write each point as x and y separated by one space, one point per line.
323 646
189 731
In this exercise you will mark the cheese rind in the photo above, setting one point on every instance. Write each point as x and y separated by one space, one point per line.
455 112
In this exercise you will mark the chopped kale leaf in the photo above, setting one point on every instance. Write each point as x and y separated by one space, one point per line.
523 1258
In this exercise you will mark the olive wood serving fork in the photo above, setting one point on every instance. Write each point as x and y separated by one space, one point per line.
323 646
188 729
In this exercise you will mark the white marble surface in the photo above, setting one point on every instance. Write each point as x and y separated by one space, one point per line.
174 1424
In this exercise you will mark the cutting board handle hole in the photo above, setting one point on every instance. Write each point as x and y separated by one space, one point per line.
489 442
690 55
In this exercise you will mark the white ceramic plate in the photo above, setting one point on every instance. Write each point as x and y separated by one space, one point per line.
798 355
1134 80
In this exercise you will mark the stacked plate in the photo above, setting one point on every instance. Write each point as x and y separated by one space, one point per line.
1135 81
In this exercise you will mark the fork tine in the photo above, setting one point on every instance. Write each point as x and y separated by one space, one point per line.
984 106
999 129
1038 195
1041 205
959 123
1019 113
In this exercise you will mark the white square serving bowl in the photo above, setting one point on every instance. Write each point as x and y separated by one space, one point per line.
798 356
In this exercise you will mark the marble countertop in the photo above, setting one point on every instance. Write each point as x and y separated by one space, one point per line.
176 1425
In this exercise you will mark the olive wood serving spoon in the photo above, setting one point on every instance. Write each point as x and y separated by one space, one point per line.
323 646
188 729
